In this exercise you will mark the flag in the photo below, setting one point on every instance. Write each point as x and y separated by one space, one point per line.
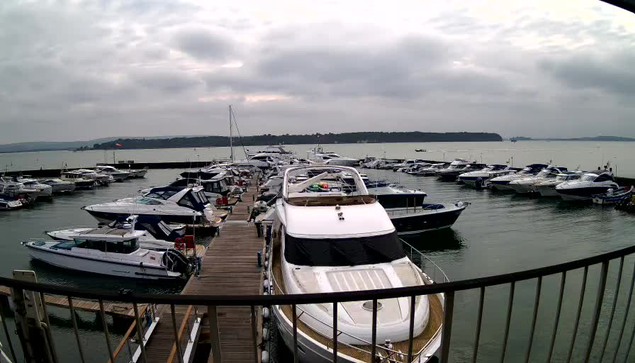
118 145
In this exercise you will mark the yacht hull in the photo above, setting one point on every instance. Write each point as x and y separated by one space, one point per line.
411 223
63 188
547 190
96 266
581 194
107 217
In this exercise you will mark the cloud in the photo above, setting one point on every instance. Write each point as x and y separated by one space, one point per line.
203 43
81 70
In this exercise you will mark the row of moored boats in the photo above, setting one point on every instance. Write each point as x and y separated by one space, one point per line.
20 191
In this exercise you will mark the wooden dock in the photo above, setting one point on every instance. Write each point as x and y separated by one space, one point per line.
229 267
120 310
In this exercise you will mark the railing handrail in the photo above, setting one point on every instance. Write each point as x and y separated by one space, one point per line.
247 300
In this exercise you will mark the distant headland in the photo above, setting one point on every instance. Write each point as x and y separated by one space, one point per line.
594 138
269 139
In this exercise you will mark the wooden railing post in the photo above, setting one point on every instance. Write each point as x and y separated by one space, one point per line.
212 317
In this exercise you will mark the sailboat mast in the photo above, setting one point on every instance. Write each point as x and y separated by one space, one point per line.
231 136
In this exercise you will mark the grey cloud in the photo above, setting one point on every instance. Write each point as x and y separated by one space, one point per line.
203 43
169 81
614 74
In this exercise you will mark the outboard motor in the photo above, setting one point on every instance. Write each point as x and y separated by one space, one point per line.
177 262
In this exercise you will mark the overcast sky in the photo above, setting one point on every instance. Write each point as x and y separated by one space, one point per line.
77 70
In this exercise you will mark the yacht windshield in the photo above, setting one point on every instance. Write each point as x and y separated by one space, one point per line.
343 251
589 177
148 201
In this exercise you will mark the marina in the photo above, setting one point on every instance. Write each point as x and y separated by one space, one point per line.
229 260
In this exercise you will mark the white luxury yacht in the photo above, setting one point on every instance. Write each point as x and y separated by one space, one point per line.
587 186
547 188
527 185
173 205
116 253
60 186
80 179
502 182
330 241
482 177
330 158
432 170
157 235
43 190
118 175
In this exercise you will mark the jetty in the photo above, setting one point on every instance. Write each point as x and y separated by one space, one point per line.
229 267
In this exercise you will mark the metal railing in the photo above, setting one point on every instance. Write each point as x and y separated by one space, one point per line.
603 299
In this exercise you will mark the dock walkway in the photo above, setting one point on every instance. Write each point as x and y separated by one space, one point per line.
229 267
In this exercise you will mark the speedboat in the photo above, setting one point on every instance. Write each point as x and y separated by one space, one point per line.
415 168
18 190
587 186
118 175
502 182
137 173
480 178
113 254
547 188
10 203
80 179
432 170
452 171
329 241
425 217
44 191
527 185
102 179
172 205
213 188
60 186
391 195
614 196
406 164
331 158
157 234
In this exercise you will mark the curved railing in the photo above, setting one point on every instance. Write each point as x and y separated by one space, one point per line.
616 310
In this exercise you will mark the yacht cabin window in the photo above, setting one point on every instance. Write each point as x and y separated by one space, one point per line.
148 201
103 246
162 194
604 177
343 251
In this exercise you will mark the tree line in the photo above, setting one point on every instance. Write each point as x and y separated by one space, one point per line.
269 139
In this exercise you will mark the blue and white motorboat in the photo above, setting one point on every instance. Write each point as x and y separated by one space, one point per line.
528 184
547 188
587 186
614 196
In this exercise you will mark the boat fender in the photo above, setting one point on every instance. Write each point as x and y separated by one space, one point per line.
266 264
264 357
265 313
265 284
265 334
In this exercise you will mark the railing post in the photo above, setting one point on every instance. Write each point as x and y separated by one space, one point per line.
479 322
105 326
212 317
254 331
75 328
5 300
177 341
557 318
510 306
579 312
373 349
412 327
294 316
335 332
626 311
534 318
598 309
447 326
617 295
140 334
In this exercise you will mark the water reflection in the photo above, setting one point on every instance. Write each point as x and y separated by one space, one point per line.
436 241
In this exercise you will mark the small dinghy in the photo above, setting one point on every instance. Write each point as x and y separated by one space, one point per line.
614 196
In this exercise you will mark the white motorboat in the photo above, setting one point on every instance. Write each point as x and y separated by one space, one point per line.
157 235
15 189
137 173
587 186
502 182
527 185
80 179
456 167
172 205
10 203
547 188
432 170
329 241
59 186
118 175
330 158
407 164
480 178
114 253
44 191
415 169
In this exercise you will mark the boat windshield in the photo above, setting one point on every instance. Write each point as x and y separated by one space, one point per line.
116 247
588 177
343 251
148 201
162 194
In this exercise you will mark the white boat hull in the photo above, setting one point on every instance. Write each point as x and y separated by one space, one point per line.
342 162
521 188
70 262
547 191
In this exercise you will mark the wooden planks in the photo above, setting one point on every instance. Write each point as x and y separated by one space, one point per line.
229 267
115 309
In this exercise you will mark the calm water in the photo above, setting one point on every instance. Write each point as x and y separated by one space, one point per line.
498 233
586 155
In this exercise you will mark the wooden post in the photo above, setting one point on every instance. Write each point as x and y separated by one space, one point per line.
212 318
